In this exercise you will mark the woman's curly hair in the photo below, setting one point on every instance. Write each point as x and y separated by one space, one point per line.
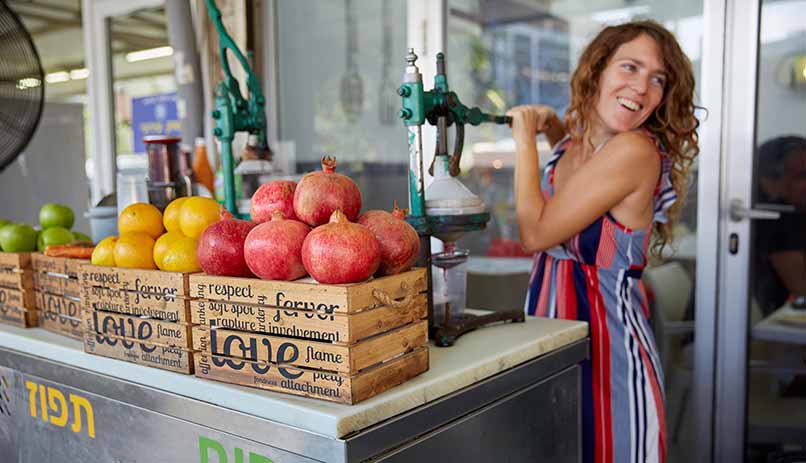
673 121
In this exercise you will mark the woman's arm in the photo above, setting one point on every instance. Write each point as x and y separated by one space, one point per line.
554 129
627 162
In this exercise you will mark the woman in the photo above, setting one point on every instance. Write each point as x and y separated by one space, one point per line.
619 165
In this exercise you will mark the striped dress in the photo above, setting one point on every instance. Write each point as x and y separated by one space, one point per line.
595 277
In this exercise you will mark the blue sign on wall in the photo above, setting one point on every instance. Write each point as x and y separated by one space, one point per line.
154 115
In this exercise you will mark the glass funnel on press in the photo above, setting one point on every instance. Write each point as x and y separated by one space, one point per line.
449 279
446 199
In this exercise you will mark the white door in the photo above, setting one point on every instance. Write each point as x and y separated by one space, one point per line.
760 397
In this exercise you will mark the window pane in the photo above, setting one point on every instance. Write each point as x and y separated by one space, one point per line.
776 373
339 65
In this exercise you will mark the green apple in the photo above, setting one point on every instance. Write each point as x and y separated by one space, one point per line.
18 238
82 237
56 215
54 236
3 229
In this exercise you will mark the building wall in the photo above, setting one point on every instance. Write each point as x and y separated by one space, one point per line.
51 169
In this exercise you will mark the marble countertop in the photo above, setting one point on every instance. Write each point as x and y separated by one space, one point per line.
475 356
483 265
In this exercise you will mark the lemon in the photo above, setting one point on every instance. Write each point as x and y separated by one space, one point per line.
181 256
170 218
135 250
161 246
104 252
197 214
141 217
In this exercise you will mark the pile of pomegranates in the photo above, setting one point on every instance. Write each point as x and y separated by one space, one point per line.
311 228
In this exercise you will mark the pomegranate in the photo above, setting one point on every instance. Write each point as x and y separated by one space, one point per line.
274 249
272 196
220 248
341 251
319 194
399 242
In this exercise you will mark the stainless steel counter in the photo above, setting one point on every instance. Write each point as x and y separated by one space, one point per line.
508 392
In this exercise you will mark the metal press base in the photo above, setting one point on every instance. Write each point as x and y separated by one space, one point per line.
446 335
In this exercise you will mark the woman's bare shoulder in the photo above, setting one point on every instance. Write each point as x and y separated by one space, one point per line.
632 147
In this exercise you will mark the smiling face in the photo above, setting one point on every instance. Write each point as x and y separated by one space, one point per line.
630 88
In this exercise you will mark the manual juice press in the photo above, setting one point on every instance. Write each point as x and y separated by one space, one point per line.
447 209
234 113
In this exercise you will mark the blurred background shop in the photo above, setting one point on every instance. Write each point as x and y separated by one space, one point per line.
726 297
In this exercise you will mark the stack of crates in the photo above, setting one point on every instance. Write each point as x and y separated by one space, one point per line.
16 290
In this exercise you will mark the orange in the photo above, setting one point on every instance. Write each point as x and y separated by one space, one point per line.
141 217
170 218
135 250
181 256
104 252
162 244
197 214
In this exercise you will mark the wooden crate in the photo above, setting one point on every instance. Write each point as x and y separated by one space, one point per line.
62 305
17 305
340 358
57 285
139 316
306 294
167 285
172 309
174 359
15 260
56 275
62 324
17 298
57 265
318 384
342 343
151 293
157 332
17 279
18 316
328 327
60 314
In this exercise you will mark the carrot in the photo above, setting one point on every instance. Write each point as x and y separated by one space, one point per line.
73 252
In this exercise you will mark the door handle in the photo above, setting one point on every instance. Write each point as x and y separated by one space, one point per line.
739 212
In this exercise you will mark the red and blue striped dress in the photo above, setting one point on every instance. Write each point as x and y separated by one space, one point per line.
595 277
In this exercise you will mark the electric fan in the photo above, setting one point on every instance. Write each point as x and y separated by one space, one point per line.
22 86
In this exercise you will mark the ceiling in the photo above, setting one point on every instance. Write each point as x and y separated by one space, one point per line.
56 28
